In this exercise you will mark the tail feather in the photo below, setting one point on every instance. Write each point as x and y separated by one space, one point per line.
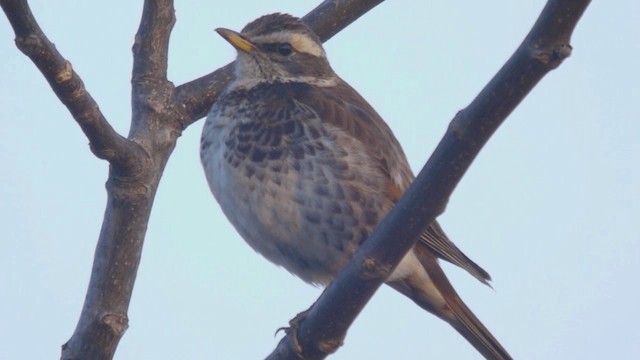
476 333
456 312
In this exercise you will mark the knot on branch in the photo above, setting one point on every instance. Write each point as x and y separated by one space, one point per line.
128 189
117 322
29 44
457 126
102 152
156 99
65 74
553 56
329 346
372 268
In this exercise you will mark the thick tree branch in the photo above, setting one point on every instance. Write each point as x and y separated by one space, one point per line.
105 142
322 330
137 164
327 19
155 126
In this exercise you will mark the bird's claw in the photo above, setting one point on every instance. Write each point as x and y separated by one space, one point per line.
292 330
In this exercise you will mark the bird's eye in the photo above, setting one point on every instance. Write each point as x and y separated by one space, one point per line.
285 49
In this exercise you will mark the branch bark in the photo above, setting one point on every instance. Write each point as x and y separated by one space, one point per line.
155 129
321 330
136 165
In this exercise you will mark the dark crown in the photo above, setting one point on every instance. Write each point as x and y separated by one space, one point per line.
277 22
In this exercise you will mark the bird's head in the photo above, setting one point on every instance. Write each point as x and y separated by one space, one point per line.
278 48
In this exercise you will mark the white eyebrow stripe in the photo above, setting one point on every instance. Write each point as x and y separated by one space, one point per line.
301 43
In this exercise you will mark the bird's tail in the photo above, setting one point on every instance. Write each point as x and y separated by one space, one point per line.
453 310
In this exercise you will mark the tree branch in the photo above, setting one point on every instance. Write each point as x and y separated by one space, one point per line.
151 45
321 331
150 89
155 128
331 16
136 167
327 19
104 141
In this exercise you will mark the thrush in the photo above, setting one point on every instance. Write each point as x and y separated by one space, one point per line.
305 168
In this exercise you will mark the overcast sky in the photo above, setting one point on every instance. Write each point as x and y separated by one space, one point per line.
550 207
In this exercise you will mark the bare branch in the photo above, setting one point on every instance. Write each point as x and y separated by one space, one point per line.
327 19
150 88
104 319
331 16
105 142
321 331
151 45
156 128
197 96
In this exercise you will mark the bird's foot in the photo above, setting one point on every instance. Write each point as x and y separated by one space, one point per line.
292 330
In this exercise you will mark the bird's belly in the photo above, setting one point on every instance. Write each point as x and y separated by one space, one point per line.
292 218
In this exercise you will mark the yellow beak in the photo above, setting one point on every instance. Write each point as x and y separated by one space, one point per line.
238 41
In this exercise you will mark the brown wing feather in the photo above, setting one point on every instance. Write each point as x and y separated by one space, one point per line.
435 239
344 108
353 114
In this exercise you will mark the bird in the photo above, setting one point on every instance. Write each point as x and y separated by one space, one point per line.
304 168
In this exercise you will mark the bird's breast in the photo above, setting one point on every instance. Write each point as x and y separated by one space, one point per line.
301 193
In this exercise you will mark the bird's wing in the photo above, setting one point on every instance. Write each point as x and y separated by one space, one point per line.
344 108
435 239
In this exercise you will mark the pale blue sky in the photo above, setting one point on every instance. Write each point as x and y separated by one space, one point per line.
550 208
